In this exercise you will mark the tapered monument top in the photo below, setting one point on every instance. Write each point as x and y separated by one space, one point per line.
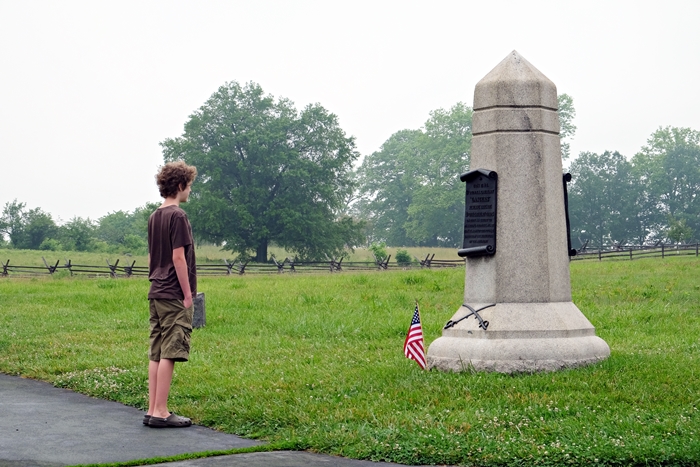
515 82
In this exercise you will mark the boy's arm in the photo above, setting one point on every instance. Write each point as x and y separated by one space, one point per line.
181 270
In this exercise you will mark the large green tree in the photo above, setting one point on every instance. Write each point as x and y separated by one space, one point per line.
267 174
388 179
600 203
114 227
26 228
38 226
11 222
654 197
667 169
410 190
567 129
127 231
77 234
436 215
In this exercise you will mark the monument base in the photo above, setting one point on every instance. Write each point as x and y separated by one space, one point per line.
520 337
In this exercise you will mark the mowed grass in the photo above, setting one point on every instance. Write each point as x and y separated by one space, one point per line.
316 362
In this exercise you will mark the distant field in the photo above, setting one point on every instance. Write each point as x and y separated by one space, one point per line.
316 362
205 254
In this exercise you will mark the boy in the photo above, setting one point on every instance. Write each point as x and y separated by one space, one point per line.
171 265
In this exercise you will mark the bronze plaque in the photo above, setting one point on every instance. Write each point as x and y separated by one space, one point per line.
479 213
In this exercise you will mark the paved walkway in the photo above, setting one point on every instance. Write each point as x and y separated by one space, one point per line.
42 426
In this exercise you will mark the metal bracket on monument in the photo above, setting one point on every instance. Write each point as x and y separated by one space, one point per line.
567 179
482 324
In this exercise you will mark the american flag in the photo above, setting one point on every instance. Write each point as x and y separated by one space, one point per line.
413 346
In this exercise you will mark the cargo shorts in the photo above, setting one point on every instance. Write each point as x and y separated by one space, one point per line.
171 327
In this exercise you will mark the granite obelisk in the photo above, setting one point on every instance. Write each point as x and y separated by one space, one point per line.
522 290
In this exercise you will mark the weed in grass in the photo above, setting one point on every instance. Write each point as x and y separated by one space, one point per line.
411 279
128 386
359 279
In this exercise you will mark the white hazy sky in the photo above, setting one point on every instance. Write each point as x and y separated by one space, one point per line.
88 89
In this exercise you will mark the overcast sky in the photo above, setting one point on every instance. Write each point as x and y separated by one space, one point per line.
88 89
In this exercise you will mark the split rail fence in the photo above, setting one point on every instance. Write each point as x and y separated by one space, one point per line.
226 267
621 253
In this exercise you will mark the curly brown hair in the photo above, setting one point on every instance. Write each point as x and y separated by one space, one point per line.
175 176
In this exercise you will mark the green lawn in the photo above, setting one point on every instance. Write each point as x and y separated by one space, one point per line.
316 362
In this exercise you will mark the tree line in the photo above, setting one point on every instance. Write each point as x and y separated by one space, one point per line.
652 197
269 173
34 229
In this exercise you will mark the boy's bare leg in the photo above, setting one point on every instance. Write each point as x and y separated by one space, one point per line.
160 376
152 385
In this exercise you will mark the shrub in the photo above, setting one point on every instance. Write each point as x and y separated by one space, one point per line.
134 244
403 257
50 244
379 250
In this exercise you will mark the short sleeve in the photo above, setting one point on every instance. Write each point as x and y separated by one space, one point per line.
180 234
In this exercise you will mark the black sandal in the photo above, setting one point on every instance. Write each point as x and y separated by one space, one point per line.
173 421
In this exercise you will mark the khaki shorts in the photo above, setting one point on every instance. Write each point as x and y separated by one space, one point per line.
171 326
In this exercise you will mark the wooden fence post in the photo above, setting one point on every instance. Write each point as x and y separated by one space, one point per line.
51 269
384 264
280 266
129 270
381 263
112 269
662 251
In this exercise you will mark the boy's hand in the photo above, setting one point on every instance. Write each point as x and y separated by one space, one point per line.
181 270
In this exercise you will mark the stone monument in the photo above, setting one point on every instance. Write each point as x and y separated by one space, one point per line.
517 295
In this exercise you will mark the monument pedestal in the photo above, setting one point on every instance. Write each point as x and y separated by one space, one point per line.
521 337
524 278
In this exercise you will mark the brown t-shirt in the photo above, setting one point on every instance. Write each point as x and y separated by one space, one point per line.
168 229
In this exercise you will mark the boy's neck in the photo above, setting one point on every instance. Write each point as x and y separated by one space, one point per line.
171 201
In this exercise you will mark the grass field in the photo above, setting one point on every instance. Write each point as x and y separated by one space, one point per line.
316 362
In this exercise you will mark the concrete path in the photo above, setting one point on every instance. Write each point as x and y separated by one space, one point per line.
42 426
